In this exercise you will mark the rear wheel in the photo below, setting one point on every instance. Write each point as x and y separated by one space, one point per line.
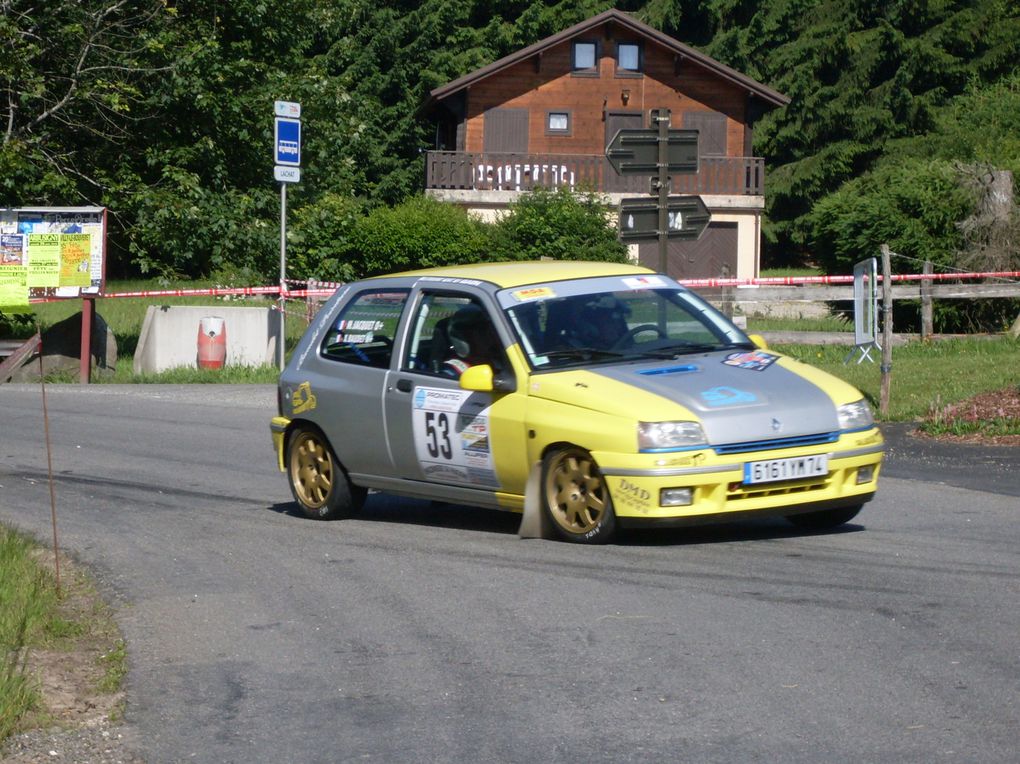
317 480
825 518
576 497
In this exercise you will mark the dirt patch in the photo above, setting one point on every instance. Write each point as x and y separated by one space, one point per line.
998 404
79 678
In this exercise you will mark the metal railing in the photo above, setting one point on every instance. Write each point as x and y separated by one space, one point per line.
744 176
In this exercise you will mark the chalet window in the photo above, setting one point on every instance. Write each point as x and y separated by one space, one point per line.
585 56
557 123
628 58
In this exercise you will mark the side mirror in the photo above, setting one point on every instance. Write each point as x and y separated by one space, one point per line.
759 341
482 379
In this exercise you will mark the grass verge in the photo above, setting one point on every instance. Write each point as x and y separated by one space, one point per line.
49 638
924 374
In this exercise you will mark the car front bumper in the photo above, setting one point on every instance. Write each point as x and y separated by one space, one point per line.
637 481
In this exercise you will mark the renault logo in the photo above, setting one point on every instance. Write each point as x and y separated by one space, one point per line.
776 425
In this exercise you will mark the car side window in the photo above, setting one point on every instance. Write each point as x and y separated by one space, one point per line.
451 333
364 331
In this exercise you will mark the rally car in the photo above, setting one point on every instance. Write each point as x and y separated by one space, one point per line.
588 396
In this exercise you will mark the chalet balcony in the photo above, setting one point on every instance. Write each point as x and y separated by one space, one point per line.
734 176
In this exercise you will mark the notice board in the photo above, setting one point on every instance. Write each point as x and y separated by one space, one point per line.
51 253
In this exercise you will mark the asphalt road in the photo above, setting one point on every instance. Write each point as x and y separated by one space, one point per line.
433 633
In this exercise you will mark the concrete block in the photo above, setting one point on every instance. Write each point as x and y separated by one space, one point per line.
169 337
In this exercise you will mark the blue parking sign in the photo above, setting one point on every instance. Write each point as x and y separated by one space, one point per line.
288 141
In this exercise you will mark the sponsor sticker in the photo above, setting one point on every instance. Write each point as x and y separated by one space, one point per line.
755 360
644 282
722 395
534 293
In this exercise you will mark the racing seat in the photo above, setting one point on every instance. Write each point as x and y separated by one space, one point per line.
441 348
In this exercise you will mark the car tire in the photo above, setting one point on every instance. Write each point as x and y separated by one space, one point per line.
576 497
825 518
317 479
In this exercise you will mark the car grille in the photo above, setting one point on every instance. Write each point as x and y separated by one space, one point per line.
739 492
768 445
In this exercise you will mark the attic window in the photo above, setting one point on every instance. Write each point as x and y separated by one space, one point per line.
557 123
585 56
628 58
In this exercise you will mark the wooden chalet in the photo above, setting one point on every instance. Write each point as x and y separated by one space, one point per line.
543 116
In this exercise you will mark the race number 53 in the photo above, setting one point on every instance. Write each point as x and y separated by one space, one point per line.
437 434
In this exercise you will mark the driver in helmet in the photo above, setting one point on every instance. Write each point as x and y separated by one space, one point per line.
601 322
473 339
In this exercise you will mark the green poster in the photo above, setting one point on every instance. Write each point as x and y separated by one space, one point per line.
44 259
75 251
13 287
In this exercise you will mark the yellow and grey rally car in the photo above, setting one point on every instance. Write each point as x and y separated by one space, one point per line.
588 396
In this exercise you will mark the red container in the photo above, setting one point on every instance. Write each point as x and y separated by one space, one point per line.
212 342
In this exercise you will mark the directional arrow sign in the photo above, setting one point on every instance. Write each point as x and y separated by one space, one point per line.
635 151
686 218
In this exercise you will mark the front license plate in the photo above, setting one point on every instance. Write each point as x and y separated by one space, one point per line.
794 468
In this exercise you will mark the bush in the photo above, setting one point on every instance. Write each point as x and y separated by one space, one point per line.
558 224
320 240
419 233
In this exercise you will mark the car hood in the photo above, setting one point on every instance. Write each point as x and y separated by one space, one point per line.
738 397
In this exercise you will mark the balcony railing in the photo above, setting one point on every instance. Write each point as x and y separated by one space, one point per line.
743 176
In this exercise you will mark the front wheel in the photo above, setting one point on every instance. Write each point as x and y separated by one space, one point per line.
576 497
318 482
825 518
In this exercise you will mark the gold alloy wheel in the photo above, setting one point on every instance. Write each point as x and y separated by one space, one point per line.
575 492
311 469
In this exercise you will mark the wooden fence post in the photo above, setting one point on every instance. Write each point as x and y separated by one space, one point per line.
727 294
887 331
927 325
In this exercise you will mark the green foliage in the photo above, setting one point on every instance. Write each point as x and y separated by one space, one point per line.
911 205
418 233
27 595
560 225
320 239
163 111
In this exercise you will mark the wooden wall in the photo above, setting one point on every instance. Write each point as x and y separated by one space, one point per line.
546 83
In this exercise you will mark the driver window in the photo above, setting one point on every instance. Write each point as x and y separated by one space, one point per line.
451 333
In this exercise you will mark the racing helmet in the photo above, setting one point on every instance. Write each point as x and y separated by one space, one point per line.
601 317
463 324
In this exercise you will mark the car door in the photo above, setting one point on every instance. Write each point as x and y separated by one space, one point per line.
347 376
439 432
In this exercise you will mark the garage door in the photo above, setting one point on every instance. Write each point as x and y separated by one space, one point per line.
701 259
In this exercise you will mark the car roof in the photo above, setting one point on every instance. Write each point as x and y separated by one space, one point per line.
515 274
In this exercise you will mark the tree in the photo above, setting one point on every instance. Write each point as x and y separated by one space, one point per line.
73 77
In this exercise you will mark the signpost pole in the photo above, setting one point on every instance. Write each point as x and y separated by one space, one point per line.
287 155
662 117
283 268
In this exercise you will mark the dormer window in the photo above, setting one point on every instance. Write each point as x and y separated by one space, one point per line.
585 56
628 58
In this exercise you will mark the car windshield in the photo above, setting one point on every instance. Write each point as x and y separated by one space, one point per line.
602 320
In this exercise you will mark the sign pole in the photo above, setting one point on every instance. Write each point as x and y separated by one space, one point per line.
287 156
662 117
283 267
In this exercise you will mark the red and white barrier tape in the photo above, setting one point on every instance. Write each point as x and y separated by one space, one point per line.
326 288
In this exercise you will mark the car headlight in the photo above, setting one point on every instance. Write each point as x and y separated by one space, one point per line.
655 436
855 416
